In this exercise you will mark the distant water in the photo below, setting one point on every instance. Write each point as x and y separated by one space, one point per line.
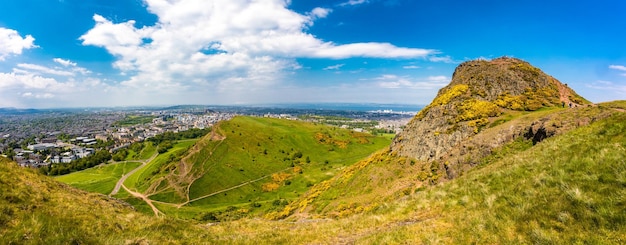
352 107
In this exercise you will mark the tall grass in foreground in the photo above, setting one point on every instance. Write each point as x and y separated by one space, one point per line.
569 189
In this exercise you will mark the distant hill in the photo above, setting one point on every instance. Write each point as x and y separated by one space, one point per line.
15 111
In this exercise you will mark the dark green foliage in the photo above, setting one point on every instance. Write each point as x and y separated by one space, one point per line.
164 146
134 120
171 136
100 157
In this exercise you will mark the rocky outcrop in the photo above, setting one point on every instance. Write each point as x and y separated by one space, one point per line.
534 128
481 96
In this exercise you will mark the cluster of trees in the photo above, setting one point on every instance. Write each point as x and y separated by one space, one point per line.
121 154
378 131
101 156
171 136
164 146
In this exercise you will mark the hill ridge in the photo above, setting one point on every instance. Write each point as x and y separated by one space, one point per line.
481 95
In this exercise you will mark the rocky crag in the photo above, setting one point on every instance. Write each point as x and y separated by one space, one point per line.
465 120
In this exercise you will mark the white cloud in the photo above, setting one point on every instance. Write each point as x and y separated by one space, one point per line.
12 43
371 50
70 69
27 81
23 88
64 62
444 59
334 67
317 13
38 95
43 69
411 67
223 46
618 67
353 2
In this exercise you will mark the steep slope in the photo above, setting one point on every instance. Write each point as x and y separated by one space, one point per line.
482 95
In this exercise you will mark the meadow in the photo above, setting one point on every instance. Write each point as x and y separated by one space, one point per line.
99 179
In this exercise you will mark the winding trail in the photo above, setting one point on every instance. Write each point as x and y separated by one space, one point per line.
156 211
120 182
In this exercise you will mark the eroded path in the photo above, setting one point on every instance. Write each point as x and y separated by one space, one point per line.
120 182
143 197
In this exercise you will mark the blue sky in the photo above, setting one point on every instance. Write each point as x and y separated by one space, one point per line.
77 53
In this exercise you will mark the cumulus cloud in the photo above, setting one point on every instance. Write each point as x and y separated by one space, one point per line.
27 81
24 88
12 43
225 45
64 62
320 12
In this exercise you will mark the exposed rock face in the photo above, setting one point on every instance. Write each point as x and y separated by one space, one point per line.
480 93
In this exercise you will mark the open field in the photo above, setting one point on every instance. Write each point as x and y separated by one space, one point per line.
100 179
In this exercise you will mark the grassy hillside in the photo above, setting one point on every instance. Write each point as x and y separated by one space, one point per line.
250 165
35 209
100 179
140 179
568 189
387 176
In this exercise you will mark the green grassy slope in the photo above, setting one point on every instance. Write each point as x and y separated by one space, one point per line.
255 161
146 152
35 209
386 176
140 179
99 179
567 189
